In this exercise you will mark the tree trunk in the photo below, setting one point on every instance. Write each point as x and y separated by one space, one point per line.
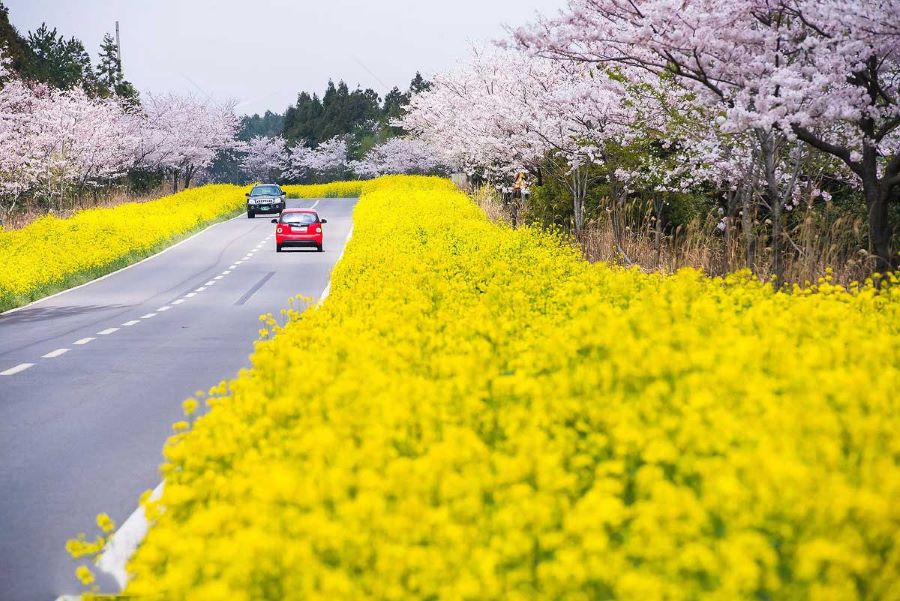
767 154
578 190
175 182
877 195
747 230
877 187
879 228
657 231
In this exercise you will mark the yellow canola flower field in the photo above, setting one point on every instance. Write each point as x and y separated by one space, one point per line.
51 253
350 189
477 413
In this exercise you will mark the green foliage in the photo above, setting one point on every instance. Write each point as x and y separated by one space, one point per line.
269 124
59 62
550 204
110 79
46 56
359 114
15 47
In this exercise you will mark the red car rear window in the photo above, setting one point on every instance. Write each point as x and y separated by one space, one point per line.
299 218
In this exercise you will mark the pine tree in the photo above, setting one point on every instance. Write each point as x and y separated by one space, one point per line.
61 63
109 73
418 84
109 68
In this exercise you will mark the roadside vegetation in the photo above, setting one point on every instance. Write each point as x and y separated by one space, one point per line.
53 254
746 134
486 415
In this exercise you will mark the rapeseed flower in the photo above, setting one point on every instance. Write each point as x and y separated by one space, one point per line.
485 415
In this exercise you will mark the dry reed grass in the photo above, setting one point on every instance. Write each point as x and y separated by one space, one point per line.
111 198
813 245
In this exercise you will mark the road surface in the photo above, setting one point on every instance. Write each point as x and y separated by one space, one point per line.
92 380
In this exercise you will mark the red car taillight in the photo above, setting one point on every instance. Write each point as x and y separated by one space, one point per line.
318 230
279 230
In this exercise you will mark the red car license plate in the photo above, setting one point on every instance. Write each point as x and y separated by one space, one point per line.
301 229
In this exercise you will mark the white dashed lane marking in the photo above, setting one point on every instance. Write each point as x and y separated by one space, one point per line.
61 351
14 370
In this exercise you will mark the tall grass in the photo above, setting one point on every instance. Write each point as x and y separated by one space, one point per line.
817 241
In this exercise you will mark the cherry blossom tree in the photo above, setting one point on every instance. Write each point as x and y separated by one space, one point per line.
399 155
328 160
823 72
506 111
181 135
265 158
56 143
19 165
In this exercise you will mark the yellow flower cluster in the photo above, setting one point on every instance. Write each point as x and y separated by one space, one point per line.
51 254
350 189
477 413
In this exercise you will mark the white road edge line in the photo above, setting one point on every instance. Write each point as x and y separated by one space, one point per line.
209 283
55 354
133 322
163 309
148 315
17 369
107 331
84 341
327 289
109 275
125 541
178 302
218 277
200 289
226 272
190 295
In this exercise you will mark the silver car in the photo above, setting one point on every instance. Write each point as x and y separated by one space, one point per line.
265 198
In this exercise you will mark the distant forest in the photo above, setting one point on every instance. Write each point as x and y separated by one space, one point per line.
360 114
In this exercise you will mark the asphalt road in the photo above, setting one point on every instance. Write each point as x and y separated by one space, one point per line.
81 430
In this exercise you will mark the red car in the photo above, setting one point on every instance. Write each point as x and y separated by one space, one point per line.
298 227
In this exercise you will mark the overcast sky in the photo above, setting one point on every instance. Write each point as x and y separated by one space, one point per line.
262 52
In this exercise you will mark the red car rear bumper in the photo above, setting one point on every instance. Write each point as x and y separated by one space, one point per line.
298 239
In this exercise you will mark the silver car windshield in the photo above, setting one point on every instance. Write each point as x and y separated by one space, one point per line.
266 191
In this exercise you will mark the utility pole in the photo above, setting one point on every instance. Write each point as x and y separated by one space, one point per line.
118 49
